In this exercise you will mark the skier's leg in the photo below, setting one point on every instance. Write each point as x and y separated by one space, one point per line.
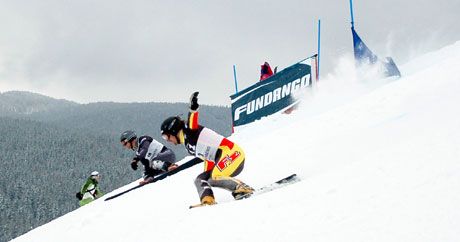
227 183
167 155
204 189
230 164
163 160
238 188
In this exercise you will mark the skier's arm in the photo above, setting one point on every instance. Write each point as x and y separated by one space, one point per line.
193 114
85 187
193 120
142 150
140 155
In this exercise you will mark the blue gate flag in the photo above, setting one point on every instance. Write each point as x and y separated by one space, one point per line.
363 55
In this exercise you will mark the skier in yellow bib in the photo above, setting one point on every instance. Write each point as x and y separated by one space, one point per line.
223 159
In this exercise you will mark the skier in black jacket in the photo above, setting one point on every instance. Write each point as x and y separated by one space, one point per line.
155 157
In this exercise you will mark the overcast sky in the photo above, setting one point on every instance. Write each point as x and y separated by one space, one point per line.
140 51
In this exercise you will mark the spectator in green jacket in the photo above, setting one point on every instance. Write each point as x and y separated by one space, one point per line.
90 190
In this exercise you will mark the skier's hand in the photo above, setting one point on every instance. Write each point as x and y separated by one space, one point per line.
172 167
194 101
134 165
79 196
146 180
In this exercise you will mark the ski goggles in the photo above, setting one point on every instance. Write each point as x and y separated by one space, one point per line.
165 136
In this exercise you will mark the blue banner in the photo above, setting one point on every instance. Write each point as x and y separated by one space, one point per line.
271 95
363 55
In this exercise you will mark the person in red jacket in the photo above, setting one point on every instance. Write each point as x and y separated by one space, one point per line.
265 71
223 159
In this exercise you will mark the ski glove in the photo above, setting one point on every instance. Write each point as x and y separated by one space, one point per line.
134 165
194 101
79 196
160 165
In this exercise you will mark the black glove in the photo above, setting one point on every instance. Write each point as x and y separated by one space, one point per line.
79 196
194 101
134 165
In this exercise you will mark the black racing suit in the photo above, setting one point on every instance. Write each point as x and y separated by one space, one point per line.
154 156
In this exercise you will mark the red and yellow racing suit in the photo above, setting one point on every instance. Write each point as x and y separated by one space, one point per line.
221 156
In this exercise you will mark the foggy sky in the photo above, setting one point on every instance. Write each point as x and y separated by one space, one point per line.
140 51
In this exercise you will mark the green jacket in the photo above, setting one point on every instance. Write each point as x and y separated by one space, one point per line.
90 191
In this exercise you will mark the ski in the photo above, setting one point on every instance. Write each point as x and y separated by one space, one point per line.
200 205
264 189
162 176
273 186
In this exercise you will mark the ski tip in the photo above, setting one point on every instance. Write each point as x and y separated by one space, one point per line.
200 205
196 205
244 196
288 178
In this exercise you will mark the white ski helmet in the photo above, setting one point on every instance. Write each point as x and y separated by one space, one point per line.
95 173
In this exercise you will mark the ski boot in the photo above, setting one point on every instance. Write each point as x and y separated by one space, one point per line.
242 191
205 201
208 200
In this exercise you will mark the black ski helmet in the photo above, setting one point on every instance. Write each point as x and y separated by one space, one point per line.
172 126
128 135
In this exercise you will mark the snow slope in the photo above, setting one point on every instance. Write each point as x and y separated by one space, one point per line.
382 164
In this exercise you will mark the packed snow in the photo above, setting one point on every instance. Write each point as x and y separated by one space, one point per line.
376 162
